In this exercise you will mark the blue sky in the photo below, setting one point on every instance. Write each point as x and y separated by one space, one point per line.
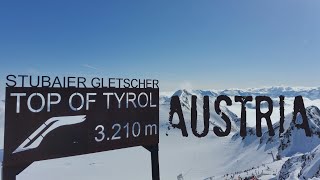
206 44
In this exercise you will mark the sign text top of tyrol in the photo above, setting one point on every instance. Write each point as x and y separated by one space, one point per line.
45 123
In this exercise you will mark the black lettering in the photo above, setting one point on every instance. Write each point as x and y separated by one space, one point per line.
260 115
217 130
97 84
206 116
45 80
281 103
126 83
11 78
119 82
22 79
243 125
142 83
112 83
299 108
56 81
71 80
81 80
37 84
175 107
132 83
155 83
149 83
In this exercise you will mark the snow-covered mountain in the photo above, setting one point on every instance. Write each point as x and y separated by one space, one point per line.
292 142
294 139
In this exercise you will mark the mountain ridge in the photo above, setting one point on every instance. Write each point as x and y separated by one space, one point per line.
272 91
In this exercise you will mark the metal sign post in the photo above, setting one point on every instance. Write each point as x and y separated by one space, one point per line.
154 150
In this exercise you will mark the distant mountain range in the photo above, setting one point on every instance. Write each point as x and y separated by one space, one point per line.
307 92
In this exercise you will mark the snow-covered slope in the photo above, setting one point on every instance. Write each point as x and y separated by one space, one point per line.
305 166
294 139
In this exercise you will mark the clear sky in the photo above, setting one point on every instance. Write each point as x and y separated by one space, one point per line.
202 44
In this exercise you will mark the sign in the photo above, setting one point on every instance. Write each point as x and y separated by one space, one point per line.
46 123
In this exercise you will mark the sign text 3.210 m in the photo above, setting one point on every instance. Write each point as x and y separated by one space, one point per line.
129 130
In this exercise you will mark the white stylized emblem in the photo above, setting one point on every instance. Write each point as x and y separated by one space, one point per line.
34 140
